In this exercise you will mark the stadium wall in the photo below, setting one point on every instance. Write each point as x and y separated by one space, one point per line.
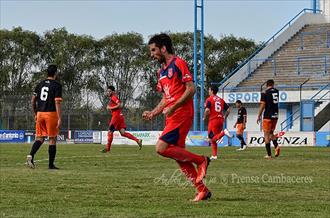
194 138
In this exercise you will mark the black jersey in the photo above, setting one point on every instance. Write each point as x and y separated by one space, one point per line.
47 91
270 97
240 115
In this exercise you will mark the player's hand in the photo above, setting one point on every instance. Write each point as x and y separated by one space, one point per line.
168 111
235 126
258 119
147 115
59 122
35 117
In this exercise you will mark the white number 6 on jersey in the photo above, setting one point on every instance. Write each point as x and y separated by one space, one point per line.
217 106
44 93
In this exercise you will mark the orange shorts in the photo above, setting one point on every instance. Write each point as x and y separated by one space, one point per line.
46 124
239 129
269 125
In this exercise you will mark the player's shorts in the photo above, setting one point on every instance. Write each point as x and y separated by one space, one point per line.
215 127
117 123
239 128
269 125
176 129
46 124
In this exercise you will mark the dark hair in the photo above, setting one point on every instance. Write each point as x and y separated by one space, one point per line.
239 101
162 40
270 82
112 88
214 89
51 70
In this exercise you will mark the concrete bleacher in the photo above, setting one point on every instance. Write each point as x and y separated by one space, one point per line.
305 56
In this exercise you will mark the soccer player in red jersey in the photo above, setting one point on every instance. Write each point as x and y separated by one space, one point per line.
117 121
216 112
176 84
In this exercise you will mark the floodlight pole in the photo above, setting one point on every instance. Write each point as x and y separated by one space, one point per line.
199 59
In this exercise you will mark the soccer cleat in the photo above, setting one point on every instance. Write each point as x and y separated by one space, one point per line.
268 157
202 168
29 162
239 149
277 151
53 167
244 148
279 134
227 133
104 150
213 157
201 196
140 143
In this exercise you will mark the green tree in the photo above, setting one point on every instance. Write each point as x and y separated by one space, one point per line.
19 60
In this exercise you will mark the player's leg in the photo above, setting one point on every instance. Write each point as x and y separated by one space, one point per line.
239 135
274 138
190 172
122 129
41 131
52 153
214 145
266 125
111 130
53 131
175 133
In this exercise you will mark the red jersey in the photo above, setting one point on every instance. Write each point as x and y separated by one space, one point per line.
217 106
171 81
114 100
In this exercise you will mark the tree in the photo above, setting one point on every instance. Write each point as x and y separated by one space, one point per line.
121 63
75 57
19 60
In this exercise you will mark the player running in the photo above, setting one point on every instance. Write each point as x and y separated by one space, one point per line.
216 112
269 104
240 124
46 104
176 84
117 120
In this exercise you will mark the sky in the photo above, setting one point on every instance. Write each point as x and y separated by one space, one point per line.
252 19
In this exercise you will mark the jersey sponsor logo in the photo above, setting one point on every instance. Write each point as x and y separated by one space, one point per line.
167 91
170 73
186 76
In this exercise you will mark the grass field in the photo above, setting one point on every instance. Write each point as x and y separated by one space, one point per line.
133 183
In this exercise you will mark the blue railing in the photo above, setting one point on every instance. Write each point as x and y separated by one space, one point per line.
322 58
326 40
288 122
264 44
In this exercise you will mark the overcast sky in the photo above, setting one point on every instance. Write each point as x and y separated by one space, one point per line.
257 19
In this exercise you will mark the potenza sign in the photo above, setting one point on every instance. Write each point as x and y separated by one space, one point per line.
288 139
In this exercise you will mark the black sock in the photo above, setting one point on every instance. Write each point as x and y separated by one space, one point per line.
275 143
35 147
52 154
269 152
240 137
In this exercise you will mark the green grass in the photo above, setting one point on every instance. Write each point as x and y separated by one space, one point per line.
133 183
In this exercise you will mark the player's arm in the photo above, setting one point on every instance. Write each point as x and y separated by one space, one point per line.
227 108
262 106
261 109
188 94
120 105
244 119
58 106
148 115
207 110
34 105
206 114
